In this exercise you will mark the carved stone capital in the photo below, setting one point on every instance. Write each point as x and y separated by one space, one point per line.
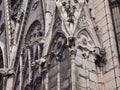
71 41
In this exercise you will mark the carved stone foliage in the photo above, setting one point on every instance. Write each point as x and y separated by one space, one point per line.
70 12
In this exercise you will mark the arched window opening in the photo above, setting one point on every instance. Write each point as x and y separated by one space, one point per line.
33 35
1 66
59 62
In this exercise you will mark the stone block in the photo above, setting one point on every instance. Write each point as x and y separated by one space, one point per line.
110 75
93 77
98 5
93 85
83 82
111 85
101 14
91 66
82 72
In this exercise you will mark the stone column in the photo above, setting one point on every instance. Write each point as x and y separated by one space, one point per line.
73 55
29 61
46 84
21 67
87 71
10 82
58 75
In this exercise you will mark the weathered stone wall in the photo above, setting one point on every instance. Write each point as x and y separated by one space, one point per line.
68 64
101 10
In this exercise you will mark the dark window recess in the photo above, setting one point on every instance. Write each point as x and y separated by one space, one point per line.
0 14
0 2
38 84
36 54
2 28
87 1
31 53
14 2
1 66
27 87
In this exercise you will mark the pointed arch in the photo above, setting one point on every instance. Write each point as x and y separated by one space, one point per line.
57 37
34 30
86 31
59 60
86 43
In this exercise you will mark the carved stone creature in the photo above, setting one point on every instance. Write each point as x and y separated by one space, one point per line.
100 58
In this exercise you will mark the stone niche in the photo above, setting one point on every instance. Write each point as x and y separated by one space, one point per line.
85 65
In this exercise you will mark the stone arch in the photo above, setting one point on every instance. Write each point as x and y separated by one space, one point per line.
85 38
91 34
34 33
35 25
55 38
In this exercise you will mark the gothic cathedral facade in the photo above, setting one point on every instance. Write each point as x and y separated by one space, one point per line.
59 45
